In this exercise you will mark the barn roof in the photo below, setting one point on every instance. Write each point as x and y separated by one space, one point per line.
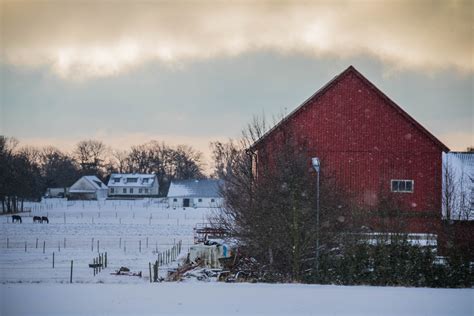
330 84
195 188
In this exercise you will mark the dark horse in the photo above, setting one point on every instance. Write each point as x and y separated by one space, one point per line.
16 218
45 219
37 219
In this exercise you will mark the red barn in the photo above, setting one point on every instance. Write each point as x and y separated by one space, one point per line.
370 146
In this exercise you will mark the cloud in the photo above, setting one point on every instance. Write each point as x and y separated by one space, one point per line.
80 40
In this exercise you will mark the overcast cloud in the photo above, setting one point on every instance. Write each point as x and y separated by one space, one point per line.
79 40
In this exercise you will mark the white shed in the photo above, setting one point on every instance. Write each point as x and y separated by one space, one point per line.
195 193
458 185
88 188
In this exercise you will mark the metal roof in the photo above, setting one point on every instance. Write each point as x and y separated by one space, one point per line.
195 188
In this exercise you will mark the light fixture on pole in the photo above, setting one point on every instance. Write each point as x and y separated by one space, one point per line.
317 167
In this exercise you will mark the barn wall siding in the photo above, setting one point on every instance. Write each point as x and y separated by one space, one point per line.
363 141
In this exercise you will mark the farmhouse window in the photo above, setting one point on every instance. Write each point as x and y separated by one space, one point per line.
199 200
112 190
212 200
140 190
146 190
124 190
175 200
131 190
132 180
402 185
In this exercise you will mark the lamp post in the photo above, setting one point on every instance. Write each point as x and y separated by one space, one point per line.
317 166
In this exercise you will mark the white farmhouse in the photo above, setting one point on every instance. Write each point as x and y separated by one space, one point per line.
133 185
88 188
195 193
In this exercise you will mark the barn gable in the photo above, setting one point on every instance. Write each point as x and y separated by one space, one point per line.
367 144
335 91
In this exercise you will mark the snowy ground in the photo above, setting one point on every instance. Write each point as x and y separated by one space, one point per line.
76 228
230 299
30 286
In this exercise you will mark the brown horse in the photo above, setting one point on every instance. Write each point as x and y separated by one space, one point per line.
37 219
16 218
45 219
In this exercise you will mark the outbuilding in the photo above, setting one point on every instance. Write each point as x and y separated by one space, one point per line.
195 193
88 188
368 145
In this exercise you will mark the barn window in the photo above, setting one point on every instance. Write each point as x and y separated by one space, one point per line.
402 185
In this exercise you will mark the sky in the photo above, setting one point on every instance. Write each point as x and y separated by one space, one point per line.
191 72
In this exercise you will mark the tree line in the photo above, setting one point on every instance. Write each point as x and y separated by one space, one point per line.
26 171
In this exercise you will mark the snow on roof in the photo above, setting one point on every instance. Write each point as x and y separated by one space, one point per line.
466 161
195 188
132 179
87 184
461 168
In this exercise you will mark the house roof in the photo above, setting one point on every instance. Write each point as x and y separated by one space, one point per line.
123 180
195 188
330 84
92 185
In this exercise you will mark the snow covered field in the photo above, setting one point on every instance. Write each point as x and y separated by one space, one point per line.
30 285
230 299
129 231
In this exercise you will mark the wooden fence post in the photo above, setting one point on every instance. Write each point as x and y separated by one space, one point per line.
44 245
97 245
155 267
120 243
70 279
8 243
140 245
25 246
36 243
92 244
147 242
53 259
106 259
149 268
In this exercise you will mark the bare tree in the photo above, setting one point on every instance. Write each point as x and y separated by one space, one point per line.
90 155
273 216
456 194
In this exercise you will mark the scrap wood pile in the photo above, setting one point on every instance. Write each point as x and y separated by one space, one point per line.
126 271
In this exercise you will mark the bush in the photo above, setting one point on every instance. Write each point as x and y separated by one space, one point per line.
393 264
